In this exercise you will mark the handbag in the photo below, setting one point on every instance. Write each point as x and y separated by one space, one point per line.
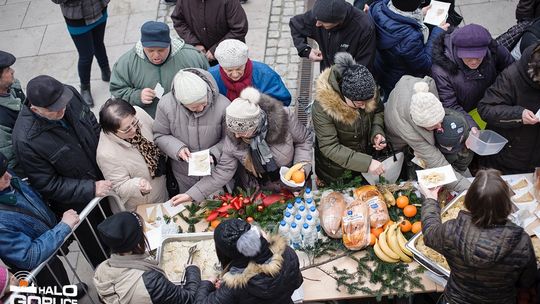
172 185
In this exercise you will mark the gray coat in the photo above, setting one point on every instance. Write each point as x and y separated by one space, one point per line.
401 131
89 10
289 140
176 127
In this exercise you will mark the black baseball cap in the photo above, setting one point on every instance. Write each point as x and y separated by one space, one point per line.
3 164
46 92
6 59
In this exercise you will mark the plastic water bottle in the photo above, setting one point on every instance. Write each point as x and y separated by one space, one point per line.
288 218
295 236
315 214
284 229
298 202
312 226
309 203
308 194
308 235
302 212
290 208
299 220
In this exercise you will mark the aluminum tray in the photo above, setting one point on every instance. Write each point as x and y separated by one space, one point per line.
422 259
189 237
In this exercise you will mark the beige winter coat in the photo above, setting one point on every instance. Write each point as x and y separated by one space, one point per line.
177 127
124 166
401 131
289 140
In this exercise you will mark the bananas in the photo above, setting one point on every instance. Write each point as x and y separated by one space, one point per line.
390 247
293 169
388 197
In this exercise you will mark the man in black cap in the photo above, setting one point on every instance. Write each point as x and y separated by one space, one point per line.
152 64
451 137
29 230
337 27
11 99
55 140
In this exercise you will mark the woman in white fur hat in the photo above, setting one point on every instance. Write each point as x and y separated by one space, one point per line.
236 72
262 136
190 118
412 113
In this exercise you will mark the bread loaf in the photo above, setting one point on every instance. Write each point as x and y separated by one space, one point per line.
355 225
331 208
378 213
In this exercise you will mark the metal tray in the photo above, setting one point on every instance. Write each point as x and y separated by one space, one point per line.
422 259
189 237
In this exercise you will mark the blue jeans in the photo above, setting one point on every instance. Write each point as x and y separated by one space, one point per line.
88 45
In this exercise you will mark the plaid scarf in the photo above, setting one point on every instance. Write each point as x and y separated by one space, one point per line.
148 149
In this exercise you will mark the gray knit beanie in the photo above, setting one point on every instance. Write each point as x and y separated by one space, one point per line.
357 83
332 11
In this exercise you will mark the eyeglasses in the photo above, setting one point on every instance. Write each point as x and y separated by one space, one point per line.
133 124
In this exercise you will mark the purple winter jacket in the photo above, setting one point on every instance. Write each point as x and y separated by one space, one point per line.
459 87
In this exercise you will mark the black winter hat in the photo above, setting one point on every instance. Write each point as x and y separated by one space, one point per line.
122 231
357 83
6 59
450 136
3 164
47 92
237 239
330 10
407 5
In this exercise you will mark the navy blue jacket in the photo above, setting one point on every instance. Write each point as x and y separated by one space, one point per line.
25 242
400 46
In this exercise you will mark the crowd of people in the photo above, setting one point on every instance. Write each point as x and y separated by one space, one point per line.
388 83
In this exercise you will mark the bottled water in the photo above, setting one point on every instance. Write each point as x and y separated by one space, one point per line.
311 221
290 208
299 220
295 236
309 203
308 194
288 218
308 235
315 214
302 212
298 202
284 229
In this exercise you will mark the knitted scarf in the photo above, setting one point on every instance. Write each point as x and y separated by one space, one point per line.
262 157
148 150
416 15
235 87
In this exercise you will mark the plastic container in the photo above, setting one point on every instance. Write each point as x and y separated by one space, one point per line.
486 142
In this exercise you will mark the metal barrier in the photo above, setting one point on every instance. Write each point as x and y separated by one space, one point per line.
83 218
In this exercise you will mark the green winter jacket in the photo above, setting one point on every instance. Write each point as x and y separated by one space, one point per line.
10 105
133 72
343 135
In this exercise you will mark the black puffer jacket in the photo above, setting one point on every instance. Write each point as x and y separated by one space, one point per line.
60 162
356 36
502 108
527 10
487 264
270 283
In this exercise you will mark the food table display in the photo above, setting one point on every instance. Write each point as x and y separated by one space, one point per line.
330 270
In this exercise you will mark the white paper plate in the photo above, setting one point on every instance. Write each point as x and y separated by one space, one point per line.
282 172
449 176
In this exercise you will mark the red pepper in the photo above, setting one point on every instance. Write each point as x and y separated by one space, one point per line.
223 208
213 215
236 203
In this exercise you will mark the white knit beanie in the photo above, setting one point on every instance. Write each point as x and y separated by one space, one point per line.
243 114
189 88
426 110
231 53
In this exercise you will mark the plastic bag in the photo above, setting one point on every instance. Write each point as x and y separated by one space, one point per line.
378 213
355 225
331 208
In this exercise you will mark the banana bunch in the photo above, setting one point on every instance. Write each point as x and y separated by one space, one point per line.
296 167
388 198
390 247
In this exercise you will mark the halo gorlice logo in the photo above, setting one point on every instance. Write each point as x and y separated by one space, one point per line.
27 292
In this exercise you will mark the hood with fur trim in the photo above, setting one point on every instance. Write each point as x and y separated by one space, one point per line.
329 96
278 120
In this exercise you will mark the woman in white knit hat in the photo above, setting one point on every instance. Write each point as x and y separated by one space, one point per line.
236 72
411 115
262 136
190 118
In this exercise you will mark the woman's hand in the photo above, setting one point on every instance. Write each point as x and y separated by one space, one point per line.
184 154
432 193
529 118
144 186
379 142
180 198
376 167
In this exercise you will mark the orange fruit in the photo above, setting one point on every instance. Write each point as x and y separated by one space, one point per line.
372 239
390 222
250 219
409 210
377 231
214 223
416 227
402 201
298 176
406 226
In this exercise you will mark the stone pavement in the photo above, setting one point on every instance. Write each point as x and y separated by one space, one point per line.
35 32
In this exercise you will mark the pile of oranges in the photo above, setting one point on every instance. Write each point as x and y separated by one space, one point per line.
402 202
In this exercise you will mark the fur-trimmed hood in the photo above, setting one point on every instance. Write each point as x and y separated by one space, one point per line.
278 120
264 273
328 95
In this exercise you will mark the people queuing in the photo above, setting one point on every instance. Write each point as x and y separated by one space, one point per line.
236 72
